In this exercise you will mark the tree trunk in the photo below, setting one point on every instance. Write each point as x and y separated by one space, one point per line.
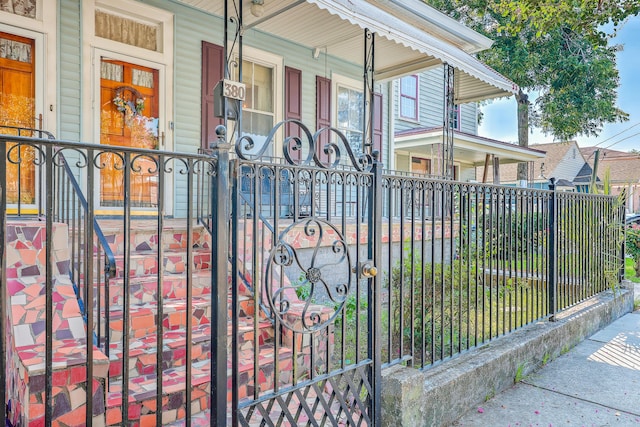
523 131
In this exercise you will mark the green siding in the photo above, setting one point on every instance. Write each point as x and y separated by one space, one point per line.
191 27
70 70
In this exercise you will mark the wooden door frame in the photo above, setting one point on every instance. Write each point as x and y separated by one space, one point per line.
97 55
38 89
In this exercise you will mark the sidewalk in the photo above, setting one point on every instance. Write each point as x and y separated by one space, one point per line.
597 383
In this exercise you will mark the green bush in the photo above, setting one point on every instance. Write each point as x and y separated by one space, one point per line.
632 246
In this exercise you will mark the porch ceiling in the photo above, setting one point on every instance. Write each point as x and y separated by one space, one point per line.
467 148
336 27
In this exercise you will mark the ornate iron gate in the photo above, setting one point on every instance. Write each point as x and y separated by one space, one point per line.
303 343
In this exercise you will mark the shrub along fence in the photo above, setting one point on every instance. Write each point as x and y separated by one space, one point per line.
466 263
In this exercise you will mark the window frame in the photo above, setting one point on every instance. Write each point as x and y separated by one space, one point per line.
454 118
338 81
402 96
271 60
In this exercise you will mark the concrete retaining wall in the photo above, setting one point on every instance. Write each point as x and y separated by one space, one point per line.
440 395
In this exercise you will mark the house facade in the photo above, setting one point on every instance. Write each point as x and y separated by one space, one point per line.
142 74
623 171
562 161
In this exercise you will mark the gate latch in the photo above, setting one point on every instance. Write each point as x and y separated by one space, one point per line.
366 270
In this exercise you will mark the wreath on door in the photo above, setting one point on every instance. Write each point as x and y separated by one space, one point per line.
129 102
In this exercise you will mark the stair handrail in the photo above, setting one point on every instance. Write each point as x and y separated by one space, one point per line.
110 260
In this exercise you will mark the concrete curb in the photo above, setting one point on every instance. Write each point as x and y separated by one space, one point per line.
440 395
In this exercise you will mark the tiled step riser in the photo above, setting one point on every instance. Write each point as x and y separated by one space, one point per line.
142 359
143 319
146 264
147 240
146 364
145 289
266 377
247 335
143 413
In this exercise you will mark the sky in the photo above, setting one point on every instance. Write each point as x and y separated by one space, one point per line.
500 120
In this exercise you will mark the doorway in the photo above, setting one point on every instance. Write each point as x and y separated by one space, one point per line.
17 109
129 117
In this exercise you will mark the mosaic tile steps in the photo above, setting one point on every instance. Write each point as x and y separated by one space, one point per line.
143 316
25 381
144 235
174 286
144 289
142 389
174 261
143 351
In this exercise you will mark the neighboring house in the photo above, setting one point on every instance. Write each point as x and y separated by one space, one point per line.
80 67
562 161
420 105
622 170
419 111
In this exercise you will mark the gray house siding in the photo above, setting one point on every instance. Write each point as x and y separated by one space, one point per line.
569 166
431 105
468 118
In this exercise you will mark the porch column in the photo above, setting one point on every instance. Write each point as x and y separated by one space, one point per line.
368 80
447 129
496 170
233 108
485 170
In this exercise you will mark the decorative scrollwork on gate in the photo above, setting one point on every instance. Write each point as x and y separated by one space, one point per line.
336 149
324 274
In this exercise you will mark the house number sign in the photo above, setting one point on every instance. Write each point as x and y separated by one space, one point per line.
234 90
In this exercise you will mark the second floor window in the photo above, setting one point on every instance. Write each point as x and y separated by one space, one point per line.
454 117
409 97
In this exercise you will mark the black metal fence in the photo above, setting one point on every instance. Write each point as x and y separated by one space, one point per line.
290 284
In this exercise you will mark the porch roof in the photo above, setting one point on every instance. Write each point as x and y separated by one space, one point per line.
401 48
467 148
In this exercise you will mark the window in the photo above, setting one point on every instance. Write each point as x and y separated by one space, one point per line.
28 8
454 117
349 115
128 31
258 109
409 97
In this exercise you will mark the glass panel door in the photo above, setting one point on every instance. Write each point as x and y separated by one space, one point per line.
17 108
128 118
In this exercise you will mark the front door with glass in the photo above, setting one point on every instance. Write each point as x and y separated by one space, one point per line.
17 109
129 110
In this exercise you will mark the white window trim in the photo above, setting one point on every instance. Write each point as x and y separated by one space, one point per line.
400 116
458 121
339 80
97 47
275 62
43 30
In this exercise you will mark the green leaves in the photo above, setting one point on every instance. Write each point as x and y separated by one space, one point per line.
556 49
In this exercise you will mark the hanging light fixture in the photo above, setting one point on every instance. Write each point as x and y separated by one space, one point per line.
257 8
